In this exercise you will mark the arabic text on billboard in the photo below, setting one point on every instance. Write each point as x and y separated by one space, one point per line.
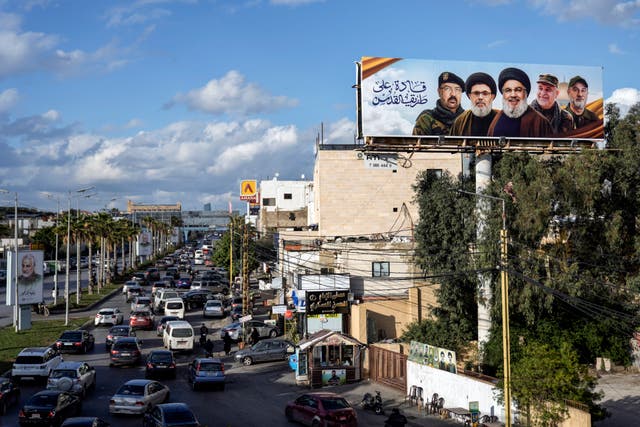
411 97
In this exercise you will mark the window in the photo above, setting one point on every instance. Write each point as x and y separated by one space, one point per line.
434 173
288 196
268 201
380 269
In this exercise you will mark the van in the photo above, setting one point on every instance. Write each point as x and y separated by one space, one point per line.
178 335
174 307
161 297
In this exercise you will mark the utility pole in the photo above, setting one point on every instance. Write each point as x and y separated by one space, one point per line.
245 271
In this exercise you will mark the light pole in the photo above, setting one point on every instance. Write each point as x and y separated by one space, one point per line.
504 286
16 306
55 270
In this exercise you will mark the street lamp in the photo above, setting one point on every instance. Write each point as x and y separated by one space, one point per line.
66 279
55 270
504 285
16 306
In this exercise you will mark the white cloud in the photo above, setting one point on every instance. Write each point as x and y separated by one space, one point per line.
51 116
78 145
341 132
133 123
294 2
496 43
8 99
610 12
613 48
231 95
140 12
625 98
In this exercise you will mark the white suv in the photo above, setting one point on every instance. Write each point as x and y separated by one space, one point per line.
76 377
35 363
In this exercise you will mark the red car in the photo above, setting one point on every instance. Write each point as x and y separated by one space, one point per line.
321 408
141 320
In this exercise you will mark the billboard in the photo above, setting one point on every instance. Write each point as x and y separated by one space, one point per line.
30 277
248 190
414 98
435 357
144 244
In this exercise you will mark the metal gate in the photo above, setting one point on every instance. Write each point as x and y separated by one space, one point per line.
388 367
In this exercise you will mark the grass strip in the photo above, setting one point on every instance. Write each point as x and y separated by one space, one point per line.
42 333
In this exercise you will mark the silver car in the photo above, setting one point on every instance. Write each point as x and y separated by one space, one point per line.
213 308
108 316
141 303
264 351
138 396
74 377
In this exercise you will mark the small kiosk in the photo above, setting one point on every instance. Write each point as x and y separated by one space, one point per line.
329 358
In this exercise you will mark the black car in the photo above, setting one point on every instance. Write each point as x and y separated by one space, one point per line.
85 422
49 408
126 351
78 341
9 394
160 363
170 414
117 332
196 299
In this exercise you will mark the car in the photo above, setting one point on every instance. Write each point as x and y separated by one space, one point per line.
236 329
198 261
161 297
162 323
141 319
85 422
183 283
170 414
157 287
35 363
138 277
136 397
140 303
174 272
108 316
205 371
125 351
321 408
134 291
265 351
234 302
9 394
117 332
151 274
77 341
74 377
160 363
236 313
213 308
49 408
197 298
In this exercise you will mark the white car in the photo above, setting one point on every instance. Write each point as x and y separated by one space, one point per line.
108 316
75 377
138 396
213 308
198 261
35 363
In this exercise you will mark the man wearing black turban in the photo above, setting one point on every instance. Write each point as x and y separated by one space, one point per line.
438 121
517 118
481 90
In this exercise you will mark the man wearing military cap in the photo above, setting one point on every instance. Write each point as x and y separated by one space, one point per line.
578 92
481 90
545 103
517 119
438 121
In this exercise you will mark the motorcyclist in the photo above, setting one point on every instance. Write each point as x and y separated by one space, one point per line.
396 419
204 331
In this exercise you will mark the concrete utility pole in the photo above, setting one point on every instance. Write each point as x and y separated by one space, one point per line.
245 271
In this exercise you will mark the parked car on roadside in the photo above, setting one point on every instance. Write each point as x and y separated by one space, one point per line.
74 377
77 341
206 371
49 408
108 316
236 329
136 397
265 351
160 363
321 408
170 414
9 394
125 351
117 332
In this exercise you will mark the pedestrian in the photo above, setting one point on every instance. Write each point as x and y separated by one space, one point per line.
396 419
208 348
254 337
227 343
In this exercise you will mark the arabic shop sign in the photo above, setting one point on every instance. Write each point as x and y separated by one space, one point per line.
327 302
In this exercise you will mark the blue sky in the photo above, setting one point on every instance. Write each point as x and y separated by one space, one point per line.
164 101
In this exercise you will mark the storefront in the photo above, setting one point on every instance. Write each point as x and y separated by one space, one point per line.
329 358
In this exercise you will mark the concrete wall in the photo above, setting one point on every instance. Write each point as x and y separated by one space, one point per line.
354 199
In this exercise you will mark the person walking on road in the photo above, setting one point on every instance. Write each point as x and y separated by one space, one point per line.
396 419
254 337
227 343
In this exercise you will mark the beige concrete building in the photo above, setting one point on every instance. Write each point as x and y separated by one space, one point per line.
365 214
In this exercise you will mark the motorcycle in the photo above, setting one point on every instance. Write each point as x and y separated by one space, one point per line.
373 403
203 339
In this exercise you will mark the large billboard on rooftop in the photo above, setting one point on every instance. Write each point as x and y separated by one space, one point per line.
414 98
